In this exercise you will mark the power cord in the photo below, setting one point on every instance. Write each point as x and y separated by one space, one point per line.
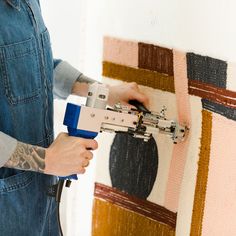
56 191
60 185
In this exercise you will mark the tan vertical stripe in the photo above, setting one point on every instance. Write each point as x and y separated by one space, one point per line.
141 76
202 175
112 220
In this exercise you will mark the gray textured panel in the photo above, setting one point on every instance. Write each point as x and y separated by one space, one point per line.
207 70
228 112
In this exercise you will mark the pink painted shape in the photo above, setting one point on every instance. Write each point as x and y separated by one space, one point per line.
179 154
120 51
220 204
181 87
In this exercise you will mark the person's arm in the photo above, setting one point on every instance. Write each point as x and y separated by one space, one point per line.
68 79
65 156
27 157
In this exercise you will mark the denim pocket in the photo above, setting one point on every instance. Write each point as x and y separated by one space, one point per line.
14 182
20 71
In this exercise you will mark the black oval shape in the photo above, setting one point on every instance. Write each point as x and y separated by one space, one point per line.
133 165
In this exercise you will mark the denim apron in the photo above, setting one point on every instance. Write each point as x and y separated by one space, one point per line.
26 113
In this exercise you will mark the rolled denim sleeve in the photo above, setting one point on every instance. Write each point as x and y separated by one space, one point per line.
7 147
64 77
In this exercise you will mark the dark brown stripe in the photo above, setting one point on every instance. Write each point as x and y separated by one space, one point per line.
137 205
215 94
155 58
202 175
141 76
209 87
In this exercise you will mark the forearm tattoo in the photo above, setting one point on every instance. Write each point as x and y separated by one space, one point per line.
85 79
27 157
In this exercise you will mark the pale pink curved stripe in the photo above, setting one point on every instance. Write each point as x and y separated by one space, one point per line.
120 51
179 154
220 203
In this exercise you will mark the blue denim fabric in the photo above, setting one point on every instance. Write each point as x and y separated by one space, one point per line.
26 113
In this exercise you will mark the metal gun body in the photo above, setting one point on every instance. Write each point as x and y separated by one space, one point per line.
88 120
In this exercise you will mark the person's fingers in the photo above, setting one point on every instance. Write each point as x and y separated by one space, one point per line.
81 170
89 144
134 85
88 155
85 163
141 98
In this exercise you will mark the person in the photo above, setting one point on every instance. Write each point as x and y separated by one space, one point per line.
30 158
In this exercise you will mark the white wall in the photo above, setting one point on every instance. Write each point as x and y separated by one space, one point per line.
78 26
66 23
204 26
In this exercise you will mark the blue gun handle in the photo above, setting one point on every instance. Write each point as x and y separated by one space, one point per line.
82 134
71 120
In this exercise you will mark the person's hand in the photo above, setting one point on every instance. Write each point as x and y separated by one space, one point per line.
125 92
68 155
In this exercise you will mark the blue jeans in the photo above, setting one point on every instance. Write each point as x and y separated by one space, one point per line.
17 193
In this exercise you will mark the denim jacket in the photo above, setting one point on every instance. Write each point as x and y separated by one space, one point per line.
26 114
